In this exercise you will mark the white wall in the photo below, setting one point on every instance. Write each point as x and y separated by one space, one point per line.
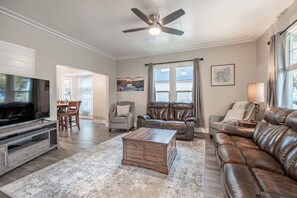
51 50
216 99
100 98
263 49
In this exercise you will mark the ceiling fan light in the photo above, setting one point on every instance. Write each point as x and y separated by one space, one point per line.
154 31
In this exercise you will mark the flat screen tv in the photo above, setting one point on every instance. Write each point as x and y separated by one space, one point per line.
23 99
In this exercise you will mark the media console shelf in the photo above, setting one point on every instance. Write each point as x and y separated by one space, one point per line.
23 142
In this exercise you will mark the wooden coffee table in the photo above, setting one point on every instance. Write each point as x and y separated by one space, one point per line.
150 148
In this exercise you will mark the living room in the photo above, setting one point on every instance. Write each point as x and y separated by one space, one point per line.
88 35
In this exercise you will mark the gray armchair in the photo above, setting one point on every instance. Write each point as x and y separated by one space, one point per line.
121 121
215 121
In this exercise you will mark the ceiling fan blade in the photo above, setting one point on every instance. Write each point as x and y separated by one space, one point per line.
136 29
172 31
142 16
171 17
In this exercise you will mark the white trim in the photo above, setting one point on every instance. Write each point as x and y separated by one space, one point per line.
197 47
52 31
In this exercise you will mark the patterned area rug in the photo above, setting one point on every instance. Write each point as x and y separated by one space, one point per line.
97 172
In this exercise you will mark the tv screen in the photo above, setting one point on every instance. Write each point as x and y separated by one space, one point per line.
23 99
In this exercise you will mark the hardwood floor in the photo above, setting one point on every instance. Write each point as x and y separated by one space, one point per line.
92 134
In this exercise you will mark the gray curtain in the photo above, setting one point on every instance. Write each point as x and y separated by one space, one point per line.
276 85
197 95
151 93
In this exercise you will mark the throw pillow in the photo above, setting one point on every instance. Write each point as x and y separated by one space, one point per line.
122 110
236 114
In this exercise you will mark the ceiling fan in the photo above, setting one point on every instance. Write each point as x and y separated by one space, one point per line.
155 25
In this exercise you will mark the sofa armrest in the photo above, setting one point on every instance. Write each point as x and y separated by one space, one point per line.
144 116
237 131
191 119
111 115
141 119
216 118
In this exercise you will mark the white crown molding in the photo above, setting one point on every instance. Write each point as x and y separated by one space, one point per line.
197 47
35 24
40 26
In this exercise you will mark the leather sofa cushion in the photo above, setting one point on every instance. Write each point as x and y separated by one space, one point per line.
241 142
222 138
262 160
290 163
291 120
153 123
267 134
119 119
230 154
175 125
239 181
181 111
276 183
159 113
287 144
277 115
249 157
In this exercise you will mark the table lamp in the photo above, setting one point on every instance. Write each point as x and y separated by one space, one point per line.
256 95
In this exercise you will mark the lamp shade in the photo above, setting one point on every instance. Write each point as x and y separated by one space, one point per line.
256 92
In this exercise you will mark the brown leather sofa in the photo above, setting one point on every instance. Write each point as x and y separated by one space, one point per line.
170 115
260 162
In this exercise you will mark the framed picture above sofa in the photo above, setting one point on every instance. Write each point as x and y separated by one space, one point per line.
222 75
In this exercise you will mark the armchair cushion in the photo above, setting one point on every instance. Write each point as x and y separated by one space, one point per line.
119 119
122 110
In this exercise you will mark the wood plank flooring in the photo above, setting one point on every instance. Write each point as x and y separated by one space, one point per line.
92 134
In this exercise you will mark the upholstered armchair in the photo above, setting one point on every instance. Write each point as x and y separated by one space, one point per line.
121 116
216 121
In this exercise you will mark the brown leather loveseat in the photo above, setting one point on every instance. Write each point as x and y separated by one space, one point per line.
170 115
260 162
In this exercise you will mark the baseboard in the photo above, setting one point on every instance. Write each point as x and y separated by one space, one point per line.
201 130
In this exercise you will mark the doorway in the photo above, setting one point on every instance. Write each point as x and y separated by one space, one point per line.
88 87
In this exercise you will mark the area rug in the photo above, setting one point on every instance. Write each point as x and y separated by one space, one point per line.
98 172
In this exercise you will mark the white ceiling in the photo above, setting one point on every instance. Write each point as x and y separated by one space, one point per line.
98 24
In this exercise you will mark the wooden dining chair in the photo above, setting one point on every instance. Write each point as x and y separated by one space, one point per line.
73 112
62 114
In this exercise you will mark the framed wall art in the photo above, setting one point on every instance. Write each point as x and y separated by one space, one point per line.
222 75
130 84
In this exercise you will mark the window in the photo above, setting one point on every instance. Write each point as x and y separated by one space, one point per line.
173 82
292 67
66 88
22 87
85 95
2 87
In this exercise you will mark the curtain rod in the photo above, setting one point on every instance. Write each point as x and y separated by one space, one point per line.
201 59
285 30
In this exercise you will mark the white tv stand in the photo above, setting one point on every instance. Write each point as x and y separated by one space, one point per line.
23 142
